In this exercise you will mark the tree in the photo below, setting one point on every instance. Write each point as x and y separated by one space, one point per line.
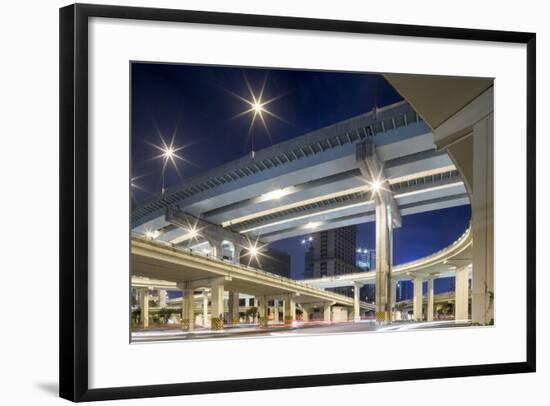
252 312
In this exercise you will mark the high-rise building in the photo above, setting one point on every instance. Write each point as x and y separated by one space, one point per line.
365 259
307 242
366 262
334 254
270 261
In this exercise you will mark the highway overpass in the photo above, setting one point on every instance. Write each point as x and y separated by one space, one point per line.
160 265
454 260
378 166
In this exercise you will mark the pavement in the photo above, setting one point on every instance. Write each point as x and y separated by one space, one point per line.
280 330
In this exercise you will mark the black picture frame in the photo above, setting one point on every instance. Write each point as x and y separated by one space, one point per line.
73 254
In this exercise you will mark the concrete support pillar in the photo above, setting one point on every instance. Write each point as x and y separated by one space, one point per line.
327 312
305 313
387 217
188 309
384 234
262 310
430 300
417 298
217 307
262 306
290 309
482 222
461 293
162 298
204 308
275 311
144 307
233 305
393 297
356 301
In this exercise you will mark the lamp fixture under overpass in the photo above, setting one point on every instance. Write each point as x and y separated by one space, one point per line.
276 194
376 185
313 225
152 234
254 250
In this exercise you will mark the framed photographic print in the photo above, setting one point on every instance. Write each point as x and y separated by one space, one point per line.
255 202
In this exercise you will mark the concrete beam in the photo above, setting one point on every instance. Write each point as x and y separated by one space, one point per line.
204 283
240 179
205 230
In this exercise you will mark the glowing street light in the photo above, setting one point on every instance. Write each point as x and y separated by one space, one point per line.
168 154
276 194
257 107
193 233
254 250
376 185
307 241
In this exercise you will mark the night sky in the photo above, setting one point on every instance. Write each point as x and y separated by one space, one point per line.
198 104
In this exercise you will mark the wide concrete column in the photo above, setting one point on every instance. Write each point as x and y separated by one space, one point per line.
188 309
144 307
305 312
356 301
482 222
468 137
162 298
217 306
417 298
290 309
204 308
233 305
387 217
461 293
430 299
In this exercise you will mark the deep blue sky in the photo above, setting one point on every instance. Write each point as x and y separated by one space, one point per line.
197 101
197 105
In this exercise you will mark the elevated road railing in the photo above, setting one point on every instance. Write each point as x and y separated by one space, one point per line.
143 246
429 264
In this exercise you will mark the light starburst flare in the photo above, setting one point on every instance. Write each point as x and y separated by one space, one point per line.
254 251
257 108
169 154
